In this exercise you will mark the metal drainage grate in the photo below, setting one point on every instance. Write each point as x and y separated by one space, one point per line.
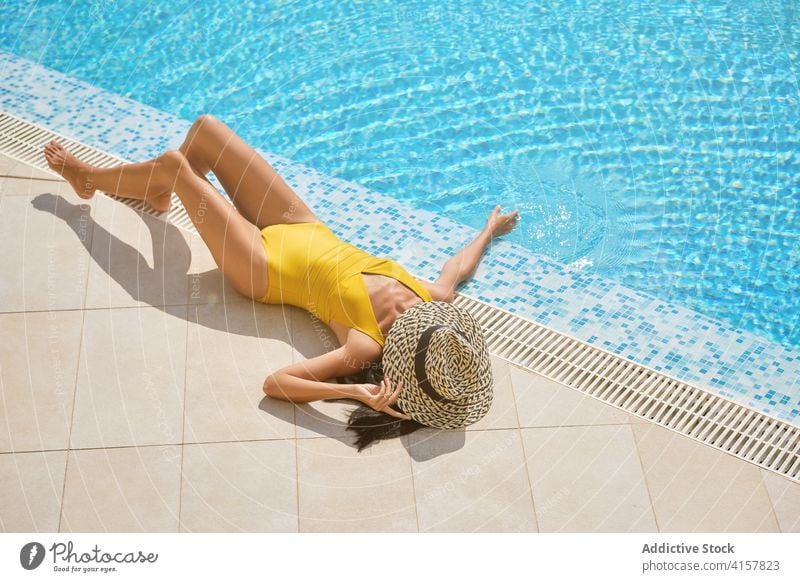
24 141
709 418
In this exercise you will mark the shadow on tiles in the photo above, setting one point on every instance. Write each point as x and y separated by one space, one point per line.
171 257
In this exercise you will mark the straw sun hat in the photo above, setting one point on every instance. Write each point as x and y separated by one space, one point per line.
439 353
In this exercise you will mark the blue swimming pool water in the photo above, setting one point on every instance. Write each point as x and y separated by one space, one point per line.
654 143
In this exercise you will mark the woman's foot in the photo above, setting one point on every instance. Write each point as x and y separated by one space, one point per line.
71 168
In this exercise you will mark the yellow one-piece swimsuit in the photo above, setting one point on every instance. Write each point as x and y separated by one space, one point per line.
312 268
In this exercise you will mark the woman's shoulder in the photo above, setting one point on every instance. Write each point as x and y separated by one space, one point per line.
438 292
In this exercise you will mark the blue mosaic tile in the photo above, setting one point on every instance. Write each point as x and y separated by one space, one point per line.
682 343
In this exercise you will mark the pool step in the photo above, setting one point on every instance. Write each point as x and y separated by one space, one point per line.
649 394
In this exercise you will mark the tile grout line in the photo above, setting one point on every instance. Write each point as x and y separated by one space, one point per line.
16 463
183 416
413 481
31 179
644 476
74 401
308 438
294 423
317 437
297 482
524 452
771 500
143 304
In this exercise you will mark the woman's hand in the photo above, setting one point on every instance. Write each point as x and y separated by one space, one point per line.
380 396
499 224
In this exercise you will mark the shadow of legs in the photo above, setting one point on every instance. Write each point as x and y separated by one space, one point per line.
126 265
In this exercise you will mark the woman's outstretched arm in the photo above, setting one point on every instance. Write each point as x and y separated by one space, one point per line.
461 266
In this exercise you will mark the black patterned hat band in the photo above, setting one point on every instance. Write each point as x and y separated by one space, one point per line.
438 351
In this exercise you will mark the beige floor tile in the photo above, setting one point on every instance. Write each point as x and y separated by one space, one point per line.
30 491
695 488
587 479
503 413
206 285
231 350
44 260
131 378
11 167
467 481
543 402
345 491
239 487
137 259
12 186
131 489
38 364
785 497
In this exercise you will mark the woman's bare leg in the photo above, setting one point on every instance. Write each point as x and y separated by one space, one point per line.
127 181
260 194
234 242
